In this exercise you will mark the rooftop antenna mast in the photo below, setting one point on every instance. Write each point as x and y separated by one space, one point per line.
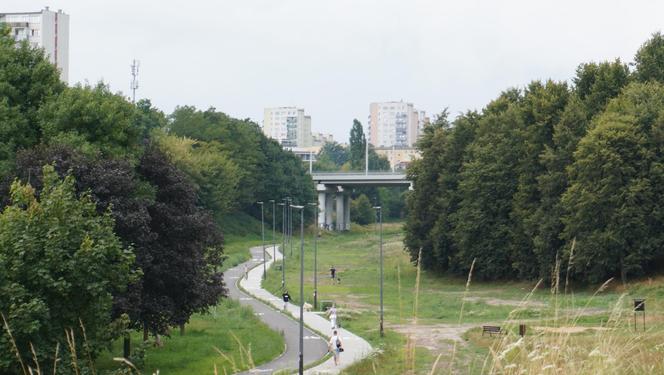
134 79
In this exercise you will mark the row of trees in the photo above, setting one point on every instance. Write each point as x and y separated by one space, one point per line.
549 179
111 211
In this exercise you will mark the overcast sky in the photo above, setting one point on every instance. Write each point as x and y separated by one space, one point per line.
334 57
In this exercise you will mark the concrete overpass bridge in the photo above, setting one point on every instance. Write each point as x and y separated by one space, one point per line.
334 192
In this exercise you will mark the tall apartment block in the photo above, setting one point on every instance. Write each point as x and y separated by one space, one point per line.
288 125
46 29
395 124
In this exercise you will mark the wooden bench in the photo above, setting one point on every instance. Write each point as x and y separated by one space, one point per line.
491 330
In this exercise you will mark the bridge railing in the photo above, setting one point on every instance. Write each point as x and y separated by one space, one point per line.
375 173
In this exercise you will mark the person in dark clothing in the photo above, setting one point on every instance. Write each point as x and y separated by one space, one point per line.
333 273
286 298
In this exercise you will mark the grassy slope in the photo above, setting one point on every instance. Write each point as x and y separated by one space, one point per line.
194 353
355 255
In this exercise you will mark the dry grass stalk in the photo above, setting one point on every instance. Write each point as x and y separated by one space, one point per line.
570 263
86 346
71 341
35 359
128 363
56 359
13 342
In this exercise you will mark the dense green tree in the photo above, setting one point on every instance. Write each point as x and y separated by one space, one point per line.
422 202
148 118
613 204
237 138
357 144
483 223
266 170
650 59
334 153
92 118
27 81
556 158
393 201
180 274
541 108
361 210
377 162
61 265
159 219
596 83
213 171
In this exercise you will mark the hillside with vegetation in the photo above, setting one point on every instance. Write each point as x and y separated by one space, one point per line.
113 215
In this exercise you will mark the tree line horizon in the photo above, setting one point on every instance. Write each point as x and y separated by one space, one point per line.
552 181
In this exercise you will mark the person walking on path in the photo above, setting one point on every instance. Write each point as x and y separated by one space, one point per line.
333 273
246 272
332 313
286 298
335 347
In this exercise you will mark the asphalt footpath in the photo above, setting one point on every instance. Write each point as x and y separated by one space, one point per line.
315 347
356 348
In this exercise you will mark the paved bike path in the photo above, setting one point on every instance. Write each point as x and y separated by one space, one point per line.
315 346
356 348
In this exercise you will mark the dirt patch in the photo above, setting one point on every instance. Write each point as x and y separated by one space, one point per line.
506 302
570 329
351 303
435 337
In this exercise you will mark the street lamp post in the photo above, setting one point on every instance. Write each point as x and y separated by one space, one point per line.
263 239
380 223
315 204
274 223
283 242
301 363
290 225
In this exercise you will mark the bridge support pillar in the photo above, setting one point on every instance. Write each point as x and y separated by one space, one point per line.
346 198
341 215
329 209
325 206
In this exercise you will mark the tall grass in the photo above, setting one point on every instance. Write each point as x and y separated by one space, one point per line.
564 346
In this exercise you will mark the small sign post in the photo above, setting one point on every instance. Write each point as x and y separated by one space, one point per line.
522 330
640 307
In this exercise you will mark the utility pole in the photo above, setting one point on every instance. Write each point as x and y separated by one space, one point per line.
366 155
315 204
263 240
274 223
290 225
134 79
301 362
380 223
283 243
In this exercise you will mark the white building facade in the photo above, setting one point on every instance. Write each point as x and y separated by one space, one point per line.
320 139
395 124
45 29
288 125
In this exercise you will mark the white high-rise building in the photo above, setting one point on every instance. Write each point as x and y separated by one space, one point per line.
288 125
46 29
394 124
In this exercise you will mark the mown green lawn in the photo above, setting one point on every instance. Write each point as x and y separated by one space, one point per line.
195 353
441 300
